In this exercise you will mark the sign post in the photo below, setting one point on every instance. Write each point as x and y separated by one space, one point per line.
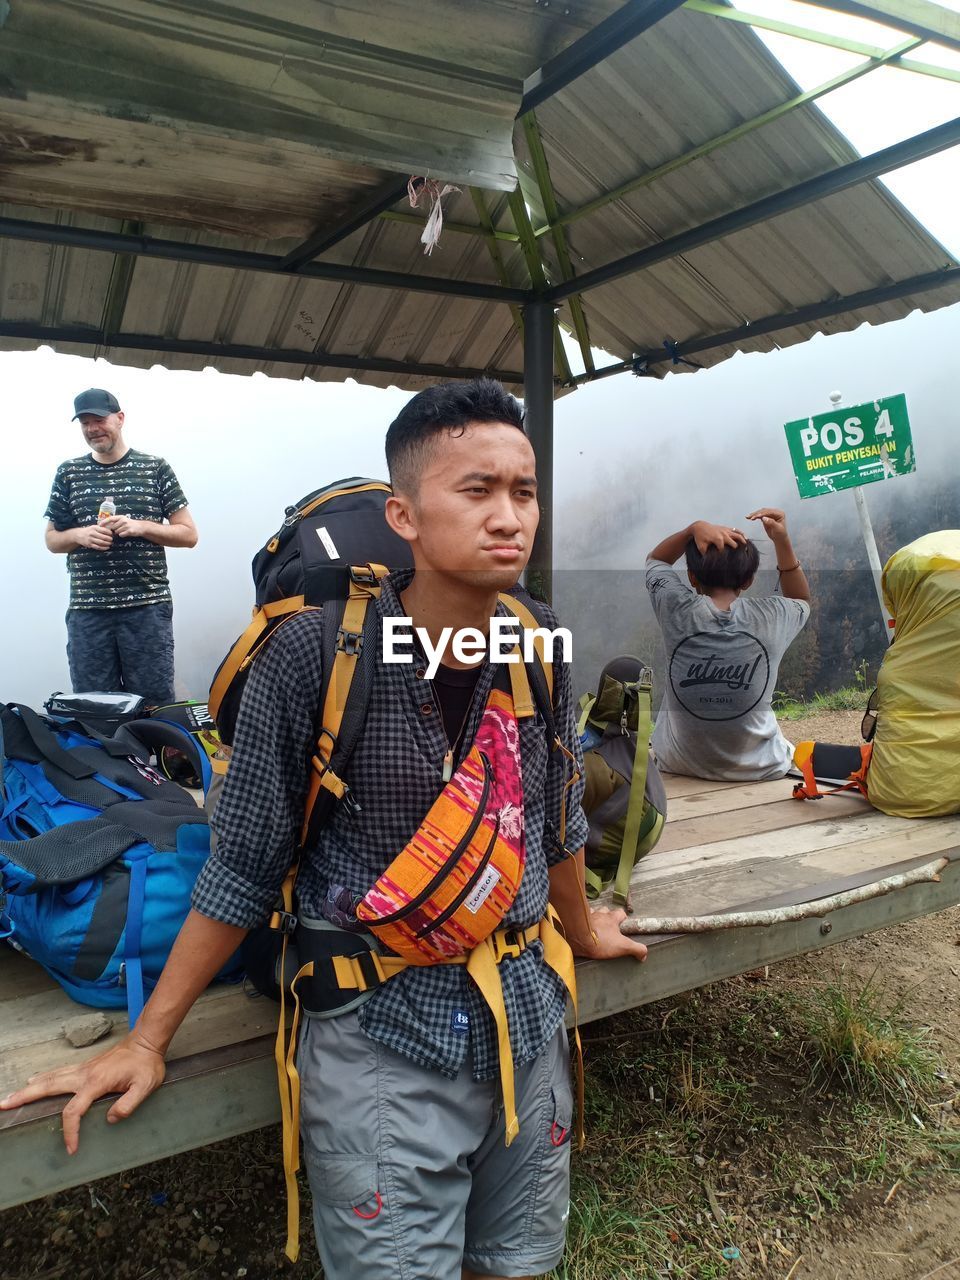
849 448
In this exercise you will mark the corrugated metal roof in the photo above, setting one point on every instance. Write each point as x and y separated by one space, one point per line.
680 84
687 81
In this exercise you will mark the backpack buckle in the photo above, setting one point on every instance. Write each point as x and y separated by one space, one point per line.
351 803
364 575
284 922
645 678
349 642
507 942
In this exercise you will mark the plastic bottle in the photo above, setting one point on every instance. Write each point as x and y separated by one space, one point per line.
108 508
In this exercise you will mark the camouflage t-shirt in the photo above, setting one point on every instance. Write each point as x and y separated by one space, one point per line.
133 571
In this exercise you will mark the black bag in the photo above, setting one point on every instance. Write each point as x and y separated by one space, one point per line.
102 712
328 534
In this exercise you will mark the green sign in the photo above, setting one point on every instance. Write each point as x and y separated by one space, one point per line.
849 447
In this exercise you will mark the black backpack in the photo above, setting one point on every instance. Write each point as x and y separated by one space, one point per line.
334 538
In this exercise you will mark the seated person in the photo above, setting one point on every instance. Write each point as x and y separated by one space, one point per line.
723 652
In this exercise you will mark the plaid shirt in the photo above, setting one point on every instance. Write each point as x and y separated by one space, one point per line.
395 774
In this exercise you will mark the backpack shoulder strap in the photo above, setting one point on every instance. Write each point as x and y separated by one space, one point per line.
247 646
44 744
540 671
633 831
348 637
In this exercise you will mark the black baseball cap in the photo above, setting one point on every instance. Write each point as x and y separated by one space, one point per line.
96 401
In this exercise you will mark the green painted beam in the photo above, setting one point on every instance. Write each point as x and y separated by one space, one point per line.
715 10
490 232
731 135
541 169
538 277
918 17
121 277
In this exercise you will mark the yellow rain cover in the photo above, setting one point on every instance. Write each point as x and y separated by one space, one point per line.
915 770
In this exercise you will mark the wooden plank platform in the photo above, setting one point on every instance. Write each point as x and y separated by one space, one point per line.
726 846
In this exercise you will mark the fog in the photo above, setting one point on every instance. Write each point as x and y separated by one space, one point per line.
635 459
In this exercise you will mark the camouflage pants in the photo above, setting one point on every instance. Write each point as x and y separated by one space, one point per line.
122 651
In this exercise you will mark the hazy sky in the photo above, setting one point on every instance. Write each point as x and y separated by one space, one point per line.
709 444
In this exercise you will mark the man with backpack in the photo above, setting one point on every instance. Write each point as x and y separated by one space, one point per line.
723 651
436 1101
112 512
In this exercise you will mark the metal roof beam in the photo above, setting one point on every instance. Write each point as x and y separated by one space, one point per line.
840 179
918 17
597 44
605 38
732 135
715 10
246 260
493 248
541 170
81 334
325 238
810 314
538 275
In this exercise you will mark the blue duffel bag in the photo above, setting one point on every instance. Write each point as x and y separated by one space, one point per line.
98 858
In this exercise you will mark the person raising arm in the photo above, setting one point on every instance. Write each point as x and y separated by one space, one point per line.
724 649
793 581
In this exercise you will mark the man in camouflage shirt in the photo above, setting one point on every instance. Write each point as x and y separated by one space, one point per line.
120 619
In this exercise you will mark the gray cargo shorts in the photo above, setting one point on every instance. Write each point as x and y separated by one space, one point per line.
408 1169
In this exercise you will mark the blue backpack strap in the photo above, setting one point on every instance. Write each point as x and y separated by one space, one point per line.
132 960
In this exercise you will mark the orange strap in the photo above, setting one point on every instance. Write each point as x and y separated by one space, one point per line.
242 652
529 623
335 702
809 790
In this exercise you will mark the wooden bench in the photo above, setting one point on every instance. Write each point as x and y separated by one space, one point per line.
726 847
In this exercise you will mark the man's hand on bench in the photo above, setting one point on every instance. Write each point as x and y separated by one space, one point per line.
131 1068
609 941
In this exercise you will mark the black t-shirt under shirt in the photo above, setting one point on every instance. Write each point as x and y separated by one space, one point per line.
454 688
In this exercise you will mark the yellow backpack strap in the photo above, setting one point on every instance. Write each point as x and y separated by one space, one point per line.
520 691
285 1052
237 658
364 587
335 702
529 622
558 954
482 968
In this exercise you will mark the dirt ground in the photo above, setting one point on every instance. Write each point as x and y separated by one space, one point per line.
916 1234
218 1212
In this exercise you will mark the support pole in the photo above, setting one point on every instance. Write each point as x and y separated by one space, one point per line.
873 556
538 328
869 541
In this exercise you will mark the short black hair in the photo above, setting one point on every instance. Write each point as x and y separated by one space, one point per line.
733 567
448 406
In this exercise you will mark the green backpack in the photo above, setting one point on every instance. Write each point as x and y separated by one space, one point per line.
624 797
